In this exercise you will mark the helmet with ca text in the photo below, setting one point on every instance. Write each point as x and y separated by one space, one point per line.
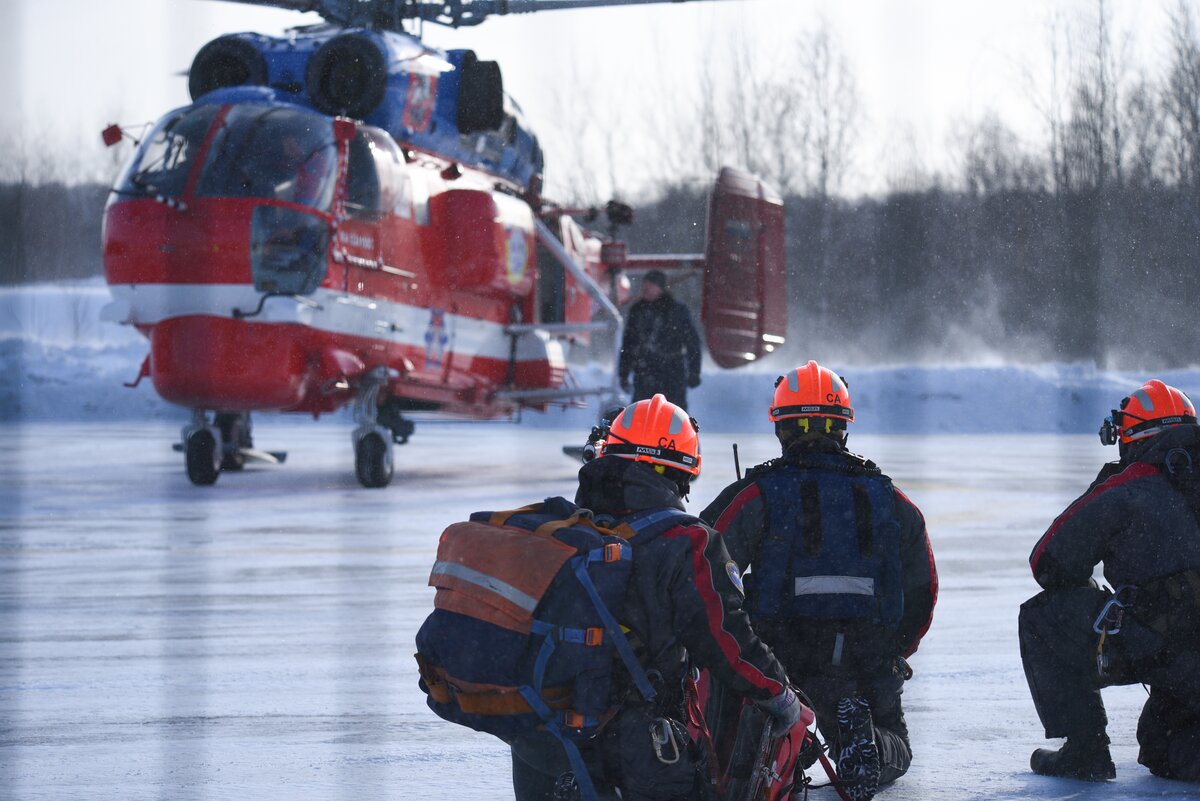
657 432
1151 408
812 391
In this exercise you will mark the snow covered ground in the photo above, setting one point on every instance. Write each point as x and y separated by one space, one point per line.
62 363
254 640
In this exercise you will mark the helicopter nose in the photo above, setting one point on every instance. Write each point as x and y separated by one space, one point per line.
211 362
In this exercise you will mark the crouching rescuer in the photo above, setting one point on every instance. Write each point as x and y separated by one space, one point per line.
841 582
1141 518
571 630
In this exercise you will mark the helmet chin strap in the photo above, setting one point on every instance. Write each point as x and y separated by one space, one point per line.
791 435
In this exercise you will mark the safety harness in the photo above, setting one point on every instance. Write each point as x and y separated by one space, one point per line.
1168 605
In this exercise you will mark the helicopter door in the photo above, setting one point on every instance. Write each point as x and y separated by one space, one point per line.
560 298
357 241
745 308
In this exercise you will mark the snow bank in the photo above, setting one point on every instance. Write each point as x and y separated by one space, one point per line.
64 363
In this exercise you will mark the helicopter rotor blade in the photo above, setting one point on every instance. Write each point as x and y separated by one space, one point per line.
347 13
390 14
291 5
456 13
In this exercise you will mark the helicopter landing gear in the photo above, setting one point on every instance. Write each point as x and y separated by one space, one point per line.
235 437
373 441
391 417
202 449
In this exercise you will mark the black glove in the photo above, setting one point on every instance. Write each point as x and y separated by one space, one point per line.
694 381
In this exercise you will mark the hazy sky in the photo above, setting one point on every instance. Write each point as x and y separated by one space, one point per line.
922 66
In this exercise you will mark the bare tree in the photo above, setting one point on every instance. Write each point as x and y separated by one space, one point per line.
709 123
993 160
832 100
571 172
1051 102
762 119
1144 122
1181 97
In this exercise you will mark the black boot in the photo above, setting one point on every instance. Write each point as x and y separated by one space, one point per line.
1083 757
858 756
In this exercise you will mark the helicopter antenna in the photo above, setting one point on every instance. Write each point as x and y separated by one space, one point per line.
391 14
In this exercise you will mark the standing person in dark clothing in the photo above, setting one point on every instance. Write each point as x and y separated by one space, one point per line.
1141 518
682 607
842 583
660 347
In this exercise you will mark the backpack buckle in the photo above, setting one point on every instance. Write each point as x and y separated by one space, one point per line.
573 720
593 636
612 552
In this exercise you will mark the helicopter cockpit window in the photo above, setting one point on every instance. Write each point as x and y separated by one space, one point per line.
362 178
166 156
273 153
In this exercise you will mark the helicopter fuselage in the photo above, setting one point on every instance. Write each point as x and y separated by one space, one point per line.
270 264
344 214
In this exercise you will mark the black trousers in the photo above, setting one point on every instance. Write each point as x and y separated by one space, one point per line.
674 387
1058 651
887 714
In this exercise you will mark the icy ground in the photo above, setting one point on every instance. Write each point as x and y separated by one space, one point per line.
254 640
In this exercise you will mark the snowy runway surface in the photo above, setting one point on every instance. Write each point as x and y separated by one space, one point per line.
254 640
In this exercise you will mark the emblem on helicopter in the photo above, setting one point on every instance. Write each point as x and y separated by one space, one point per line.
517 255
436 338
418 105
293 239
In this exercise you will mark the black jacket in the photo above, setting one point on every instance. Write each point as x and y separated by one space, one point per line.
1133 519
740 514
661 349
682 600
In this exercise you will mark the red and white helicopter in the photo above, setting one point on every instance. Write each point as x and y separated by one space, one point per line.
345 215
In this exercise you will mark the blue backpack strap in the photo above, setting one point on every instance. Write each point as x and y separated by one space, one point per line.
554 634
574 758
644 524
652 523
619 641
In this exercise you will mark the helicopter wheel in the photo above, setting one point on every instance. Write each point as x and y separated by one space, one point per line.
373 461
202 459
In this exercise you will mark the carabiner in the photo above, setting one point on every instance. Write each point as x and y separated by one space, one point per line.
1109 621
663 733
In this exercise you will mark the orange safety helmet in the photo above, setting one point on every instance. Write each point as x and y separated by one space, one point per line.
1150 409
811 391
655 431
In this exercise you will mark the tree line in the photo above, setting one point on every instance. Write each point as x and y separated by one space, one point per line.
1081 247
50 231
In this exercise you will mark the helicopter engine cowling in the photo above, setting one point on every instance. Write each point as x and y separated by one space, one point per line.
480 104
233 60
449 103
348 75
